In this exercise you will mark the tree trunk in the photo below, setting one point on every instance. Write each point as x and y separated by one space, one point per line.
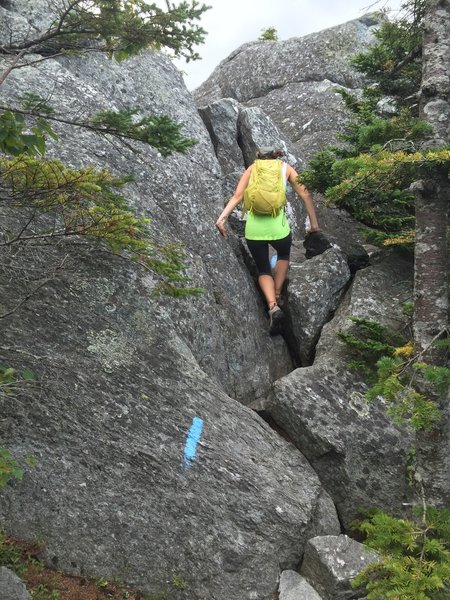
431 252
432 192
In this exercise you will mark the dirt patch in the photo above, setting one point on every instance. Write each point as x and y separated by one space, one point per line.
44 583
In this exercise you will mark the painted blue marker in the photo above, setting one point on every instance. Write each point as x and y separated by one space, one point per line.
273 261
193 438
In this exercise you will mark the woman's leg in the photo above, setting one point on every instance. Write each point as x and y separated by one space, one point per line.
259 249
267 285
283 248
279 275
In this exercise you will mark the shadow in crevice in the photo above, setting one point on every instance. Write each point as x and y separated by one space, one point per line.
267 417
288 332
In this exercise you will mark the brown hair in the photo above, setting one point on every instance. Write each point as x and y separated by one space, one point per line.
269 153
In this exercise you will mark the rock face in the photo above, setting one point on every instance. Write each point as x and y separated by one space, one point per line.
295 81
183 196
150 466
147 467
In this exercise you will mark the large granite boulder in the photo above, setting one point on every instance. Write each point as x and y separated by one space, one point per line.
256 68
315 289
359 455
145 470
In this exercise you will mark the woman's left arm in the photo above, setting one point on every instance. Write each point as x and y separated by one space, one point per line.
305 195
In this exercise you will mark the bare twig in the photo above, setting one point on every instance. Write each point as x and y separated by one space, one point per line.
416 357
85 125
414 53
11 67
35 290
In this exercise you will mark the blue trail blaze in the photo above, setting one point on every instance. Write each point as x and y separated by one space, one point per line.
273 261
193 437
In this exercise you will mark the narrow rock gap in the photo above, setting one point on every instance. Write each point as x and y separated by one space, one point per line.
240 143
330 318
212 135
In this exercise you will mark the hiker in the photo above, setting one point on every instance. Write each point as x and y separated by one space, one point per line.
269 225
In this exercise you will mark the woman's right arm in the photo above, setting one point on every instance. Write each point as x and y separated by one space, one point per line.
233 201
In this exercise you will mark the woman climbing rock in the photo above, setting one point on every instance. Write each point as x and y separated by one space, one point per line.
263 188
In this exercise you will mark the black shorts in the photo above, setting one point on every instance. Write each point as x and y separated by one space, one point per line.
259 249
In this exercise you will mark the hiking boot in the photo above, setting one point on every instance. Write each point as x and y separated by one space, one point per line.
277 319
281 300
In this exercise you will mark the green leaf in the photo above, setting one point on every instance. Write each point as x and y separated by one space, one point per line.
44 125
31 461
28 375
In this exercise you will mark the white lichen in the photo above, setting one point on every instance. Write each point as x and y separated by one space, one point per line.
111 348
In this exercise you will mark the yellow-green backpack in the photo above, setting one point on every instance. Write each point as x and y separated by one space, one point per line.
265 193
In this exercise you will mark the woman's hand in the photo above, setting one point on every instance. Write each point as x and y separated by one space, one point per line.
312 229
220 224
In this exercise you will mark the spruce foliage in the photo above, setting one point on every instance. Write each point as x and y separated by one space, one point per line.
85 203
269 33
388 362
121 28
394 61
414 556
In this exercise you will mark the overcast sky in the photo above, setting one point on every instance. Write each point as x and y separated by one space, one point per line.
231 23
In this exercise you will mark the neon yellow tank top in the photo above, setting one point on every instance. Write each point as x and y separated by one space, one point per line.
266 227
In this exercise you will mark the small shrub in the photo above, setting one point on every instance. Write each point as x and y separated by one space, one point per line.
414 556
269 33
179 583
